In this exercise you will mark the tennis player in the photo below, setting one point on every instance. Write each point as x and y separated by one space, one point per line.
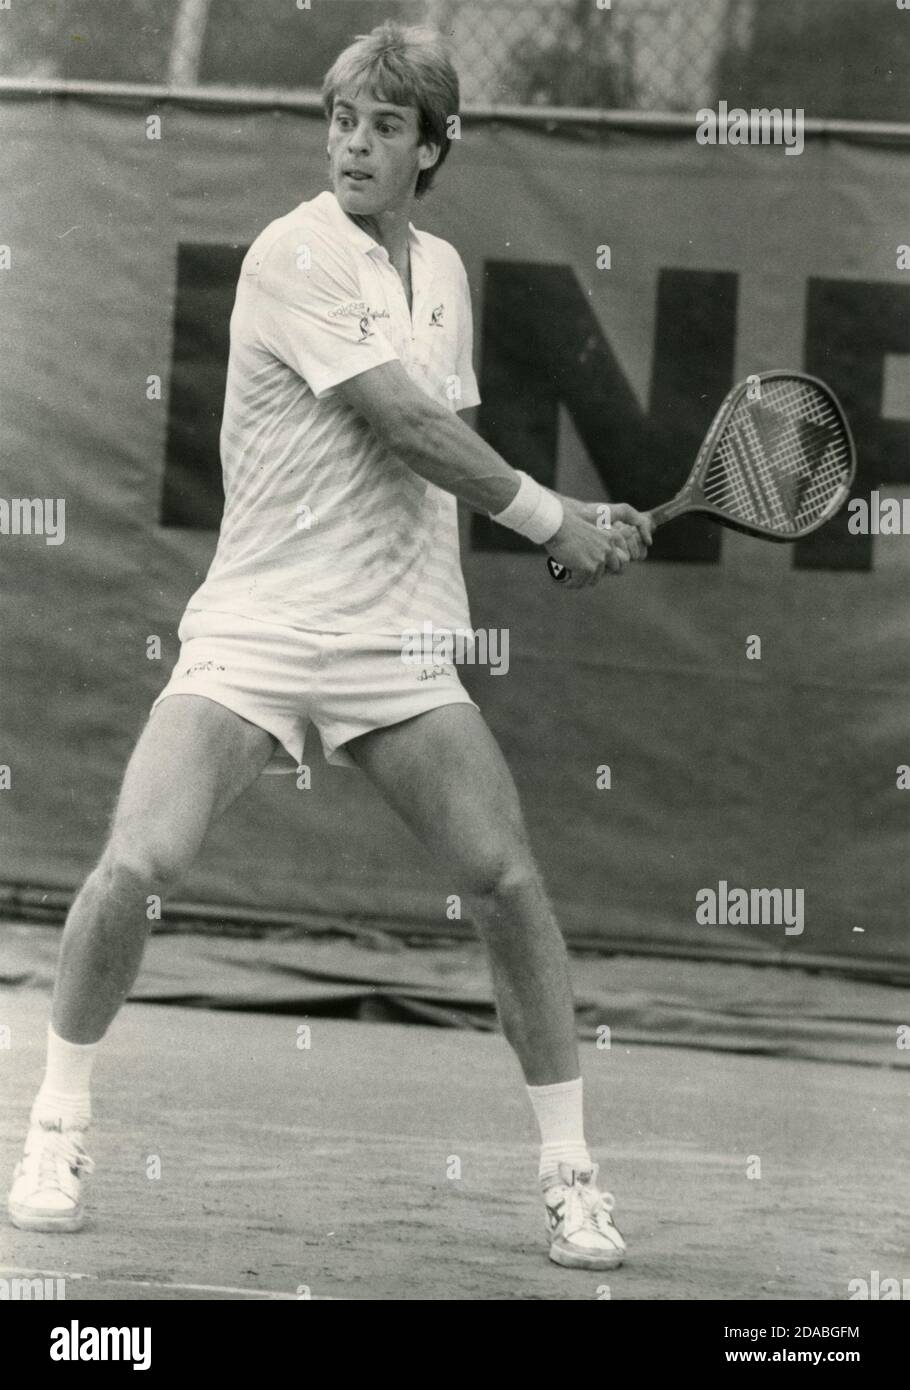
344 459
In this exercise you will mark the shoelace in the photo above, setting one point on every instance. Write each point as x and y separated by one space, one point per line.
586 1203
56 1147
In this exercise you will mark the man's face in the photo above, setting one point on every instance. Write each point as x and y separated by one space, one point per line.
375 153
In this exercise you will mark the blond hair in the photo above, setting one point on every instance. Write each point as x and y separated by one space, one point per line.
406 65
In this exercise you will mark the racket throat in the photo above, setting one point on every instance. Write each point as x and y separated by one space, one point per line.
668 510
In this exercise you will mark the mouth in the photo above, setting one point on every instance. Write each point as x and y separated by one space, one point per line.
356 175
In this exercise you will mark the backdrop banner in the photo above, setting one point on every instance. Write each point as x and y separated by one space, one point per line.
730 716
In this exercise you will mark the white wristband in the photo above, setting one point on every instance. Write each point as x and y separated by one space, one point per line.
533 512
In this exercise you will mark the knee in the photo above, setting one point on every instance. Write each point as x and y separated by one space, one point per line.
503 873
153 866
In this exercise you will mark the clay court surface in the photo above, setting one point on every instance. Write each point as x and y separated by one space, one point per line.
326 1167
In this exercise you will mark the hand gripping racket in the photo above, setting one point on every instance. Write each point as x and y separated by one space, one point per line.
777 462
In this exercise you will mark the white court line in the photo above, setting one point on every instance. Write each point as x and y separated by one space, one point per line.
158 1284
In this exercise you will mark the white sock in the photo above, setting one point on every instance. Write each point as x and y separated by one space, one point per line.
64 1093
559 1111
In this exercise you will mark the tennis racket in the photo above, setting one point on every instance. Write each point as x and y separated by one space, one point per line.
777 462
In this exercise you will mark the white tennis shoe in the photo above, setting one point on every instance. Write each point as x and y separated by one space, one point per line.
45 1195
580 1223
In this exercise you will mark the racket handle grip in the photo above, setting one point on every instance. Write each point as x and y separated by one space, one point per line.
559 574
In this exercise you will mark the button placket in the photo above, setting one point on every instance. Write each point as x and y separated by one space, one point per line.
404 332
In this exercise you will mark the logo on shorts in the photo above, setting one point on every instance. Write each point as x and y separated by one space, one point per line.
365 329
436 316
203 666
440 649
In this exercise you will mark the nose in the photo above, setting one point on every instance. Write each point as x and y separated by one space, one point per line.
359 139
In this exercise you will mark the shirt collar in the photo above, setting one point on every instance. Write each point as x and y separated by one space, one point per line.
356 234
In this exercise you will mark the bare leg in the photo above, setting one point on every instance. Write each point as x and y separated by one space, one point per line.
193 758
445 775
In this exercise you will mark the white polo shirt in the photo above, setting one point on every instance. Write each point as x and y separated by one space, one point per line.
323 528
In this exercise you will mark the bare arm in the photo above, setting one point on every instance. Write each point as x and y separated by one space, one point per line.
438 446
430 438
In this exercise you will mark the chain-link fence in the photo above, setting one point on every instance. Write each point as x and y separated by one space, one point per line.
848 58
643 54
653 55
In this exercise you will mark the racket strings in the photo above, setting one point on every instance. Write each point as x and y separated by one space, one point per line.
780 461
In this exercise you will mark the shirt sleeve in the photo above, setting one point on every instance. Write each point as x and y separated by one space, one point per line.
470 395
311 313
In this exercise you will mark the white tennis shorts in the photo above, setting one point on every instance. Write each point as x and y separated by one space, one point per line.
282 678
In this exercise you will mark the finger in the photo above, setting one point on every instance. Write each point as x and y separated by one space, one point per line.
641 521
632 542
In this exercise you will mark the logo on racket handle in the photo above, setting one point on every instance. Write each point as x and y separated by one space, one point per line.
557 571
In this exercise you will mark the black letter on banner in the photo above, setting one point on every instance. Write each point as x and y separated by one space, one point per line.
851 325
192 493
543 347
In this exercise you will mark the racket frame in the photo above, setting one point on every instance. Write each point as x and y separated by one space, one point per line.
683 503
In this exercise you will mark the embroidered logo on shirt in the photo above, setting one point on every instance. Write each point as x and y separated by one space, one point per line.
365 330
357 308
436 316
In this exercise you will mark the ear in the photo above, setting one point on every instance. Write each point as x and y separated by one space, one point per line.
429 153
